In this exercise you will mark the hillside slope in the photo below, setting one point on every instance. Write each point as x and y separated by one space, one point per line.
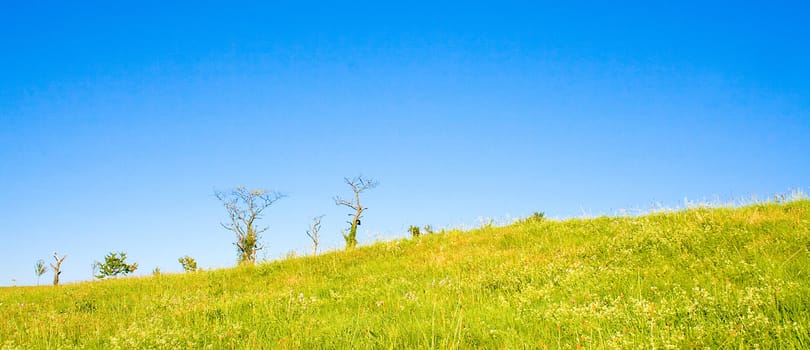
716 278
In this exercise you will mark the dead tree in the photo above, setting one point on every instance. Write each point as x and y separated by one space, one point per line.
313 233
57 268
244 208
358 185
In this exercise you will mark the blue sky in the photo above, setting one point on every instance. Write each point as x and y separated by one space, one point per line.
117 122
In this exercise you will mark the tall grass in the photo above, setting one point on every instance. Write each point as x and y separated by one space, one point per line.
697 278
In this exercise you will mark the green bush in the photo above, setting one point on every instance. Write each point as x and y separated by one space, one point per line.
114 264
189 264
414 230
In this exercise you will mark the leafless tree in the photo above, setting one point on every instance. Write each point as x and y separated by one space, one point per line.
313 233
358 185
244 208
57 268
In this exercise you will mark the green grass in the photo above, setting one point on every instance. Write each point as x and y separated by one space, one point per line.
716 278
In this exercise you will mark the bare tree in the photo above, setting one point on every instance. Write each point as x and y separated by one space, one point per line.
57 268
313 233
41 269
244 207
358 185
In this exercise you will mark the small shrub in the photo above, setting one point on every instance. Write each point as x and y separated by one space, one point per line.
115 264
189 264
414 230
536 217
40 269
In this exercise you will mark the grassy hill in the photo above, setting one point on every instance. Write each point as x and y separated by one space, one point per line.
718 278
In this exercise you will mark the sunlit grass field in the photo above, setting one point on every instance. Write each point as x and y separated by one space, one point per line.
698 278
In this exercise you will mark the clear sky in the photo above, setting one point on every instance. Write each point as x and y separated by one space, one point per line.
118 121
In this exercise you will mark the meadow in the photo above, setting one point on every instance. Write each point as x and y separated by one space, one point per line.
699 278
